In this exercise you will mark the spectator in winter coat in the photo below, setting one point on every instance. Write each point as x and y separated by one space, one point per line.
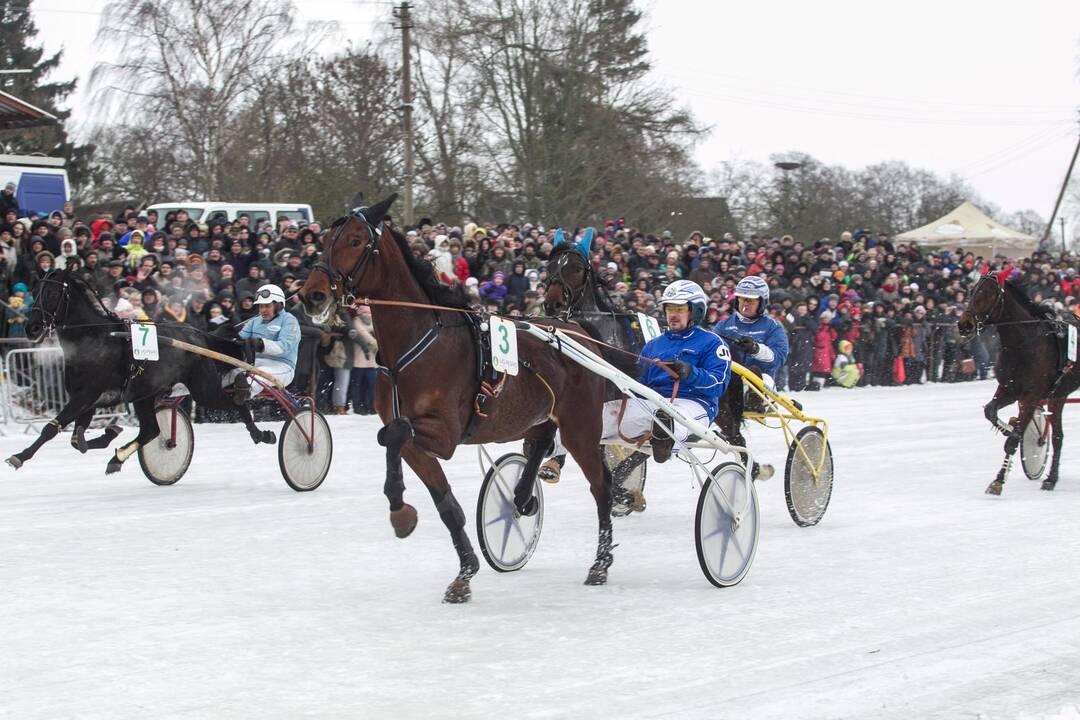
803 329
494 291
845 371
517 284
824 352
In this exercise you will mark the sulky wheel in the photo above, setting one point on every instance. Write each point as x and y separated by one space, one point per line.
507 538
305 448
727 525
808 495
165 459
1035 446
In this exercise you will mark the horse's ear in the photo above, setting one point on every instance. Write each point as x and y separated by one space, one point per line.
377 212
357 201
560 238
585 244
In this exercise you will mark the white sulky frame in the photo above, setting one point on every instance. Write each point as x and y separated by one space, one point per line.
706 438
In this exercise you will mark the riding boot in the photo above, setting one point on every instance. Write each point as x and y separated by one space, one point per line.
662 442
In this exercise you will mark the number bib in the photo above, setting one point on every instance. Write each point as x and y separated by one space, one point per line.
504 354
649 327
144 344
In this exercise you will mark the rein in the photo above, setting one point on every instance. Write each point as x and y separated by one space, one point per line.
467 311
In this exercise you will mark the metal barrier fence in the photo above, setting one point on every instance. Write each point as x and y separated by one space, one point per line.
32 387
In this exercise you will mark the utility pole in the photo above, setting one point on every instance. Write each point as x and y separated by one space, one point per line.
405 25
1061 194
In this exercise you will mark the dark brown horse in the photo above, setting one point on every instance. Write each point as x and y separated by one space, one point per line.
1031 367
427 395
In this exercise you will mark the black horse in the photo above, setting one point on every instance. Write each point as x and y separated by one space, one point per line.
99 370
1030 369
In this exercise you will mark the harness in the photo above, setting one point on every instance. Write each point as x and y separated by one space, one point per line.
490 387
51 321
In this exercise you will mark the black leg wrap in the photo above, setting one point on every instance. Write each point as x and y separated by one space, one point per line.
396 434
1012 443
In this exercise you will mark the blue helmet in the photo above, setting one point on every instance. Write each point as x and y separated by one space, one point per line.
689 292
753 286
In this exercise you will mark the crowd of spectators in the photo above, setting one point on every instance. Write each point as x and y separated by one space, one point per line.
859 309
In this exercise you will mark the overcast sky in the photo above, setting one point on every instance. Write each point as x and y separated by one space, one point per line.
987 90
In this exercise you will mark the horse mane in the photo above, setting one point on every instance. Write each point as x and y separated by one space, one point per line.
600 293
424 272
89 293
1037 311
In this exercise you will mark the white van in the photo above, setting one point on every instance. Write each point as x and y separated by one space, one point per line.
202 212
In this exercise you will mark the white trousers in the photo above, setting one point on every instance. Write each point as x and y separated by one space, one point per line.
638 419
278 369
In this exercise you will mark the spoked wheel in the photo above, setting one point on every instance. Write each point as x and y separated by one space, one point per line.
507 538
727 525
165 459
1035 446
808 494
305 448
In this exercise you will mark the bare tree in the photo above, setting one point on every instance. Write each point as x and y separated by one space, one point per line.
195 64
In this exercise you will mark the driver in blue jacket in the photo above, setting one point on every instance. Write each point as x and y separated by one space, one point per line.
273 338
702 362
759 341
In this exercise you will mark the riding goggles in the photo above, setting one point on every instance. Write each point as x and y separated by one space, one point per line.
670 308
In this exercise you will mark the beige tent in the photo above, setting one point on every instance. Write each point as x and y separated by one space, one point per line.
969 229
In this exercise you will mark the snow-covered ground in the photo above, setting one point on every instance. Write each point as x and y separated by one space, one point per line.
229 595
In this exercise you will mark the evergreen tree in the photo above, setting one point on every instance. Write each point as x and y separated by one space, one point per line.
18 51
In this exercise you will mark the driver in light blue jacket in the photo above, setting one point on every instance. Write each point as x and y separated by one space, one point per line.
273 336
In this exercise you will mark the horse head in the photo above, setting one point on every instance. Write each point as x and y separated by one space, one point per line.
52 294
349 250
984 306
568 273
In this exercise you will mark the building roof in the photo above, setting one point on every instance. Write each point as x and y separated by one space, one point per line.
16 113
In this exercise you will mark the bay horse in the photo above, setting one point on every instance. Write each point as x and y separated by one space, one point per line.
429 383
99 370
1030 369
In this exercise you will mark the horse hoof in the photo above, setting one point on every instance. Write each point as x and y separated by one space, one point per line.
80 445
14 462
113 466
458 592
763 472
597 576
994 488
531 507
403 521
1048 485
269 437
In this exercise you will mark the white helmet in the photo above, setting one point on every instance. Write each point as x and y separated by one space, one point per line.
689 292
269 293
753 286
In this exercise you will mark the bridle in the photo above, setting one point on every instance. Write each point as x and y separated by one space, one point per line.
999 299
570 297
50 318
342 284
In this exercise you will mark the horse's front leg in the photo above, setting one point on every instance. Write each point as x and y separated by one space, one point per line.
79 404
148 430
393 437
78 432
1002 398
1012 441
431 474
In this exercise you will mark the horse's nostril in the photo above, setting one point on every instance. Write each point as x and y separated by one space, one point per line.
317 297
